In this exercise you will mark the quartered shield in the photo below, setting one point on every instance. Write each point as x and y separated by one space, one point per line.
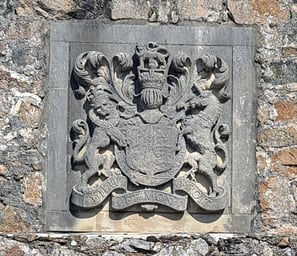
154 153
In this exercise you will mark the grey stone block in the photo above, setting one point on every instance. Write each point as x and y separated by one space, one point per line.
72 207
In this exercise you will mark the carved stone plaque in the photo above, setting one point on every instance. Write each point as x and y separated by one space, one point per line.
150 127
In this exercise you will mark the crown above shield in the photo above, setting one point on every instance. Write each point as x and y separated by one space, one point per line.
153 66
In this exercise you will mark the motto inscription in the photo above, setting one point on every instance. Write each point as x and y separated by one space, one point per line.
152 131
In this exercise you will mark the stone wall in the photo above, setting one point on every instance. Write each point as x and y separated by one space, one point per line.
210 244
24 34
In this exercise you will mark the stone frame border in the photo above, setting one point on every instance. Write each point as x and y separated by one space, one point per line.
243 161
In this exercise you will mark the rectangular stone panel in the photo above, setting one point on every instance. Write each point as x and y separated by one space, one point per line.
151 128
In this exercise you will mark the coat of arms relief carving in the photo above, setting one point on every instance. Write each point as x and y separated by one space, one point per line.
153 135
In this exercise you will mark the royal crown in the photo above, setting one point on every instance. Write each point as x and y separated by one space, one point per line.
153 66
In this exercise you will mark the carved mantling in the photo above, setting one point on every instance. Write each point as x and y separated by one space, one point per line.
152 130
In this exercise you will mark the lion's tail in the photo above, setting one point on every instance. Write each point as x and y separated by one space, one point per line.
81 139
221 135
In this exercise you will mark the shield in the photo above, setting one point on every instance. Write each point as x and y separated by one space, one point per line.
154 153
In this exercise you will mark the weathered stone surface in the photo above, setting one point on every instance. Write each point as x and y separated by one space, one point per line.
199 10
200 246
8 82
289 51
146 10
277 104
275 195
22 30
62 5
168 11
152 10
14 250
137 245
22 70
3 170
278 200
286 110
286 156
24 8
12 220
263 161
278 223
266 113
30 114
177 245
32 186
278 137
284 242
62 9
258 11
285 162
281 72
131 9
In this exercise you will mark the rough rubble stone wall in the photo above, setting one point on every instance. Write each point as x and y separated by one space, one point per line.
24 33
